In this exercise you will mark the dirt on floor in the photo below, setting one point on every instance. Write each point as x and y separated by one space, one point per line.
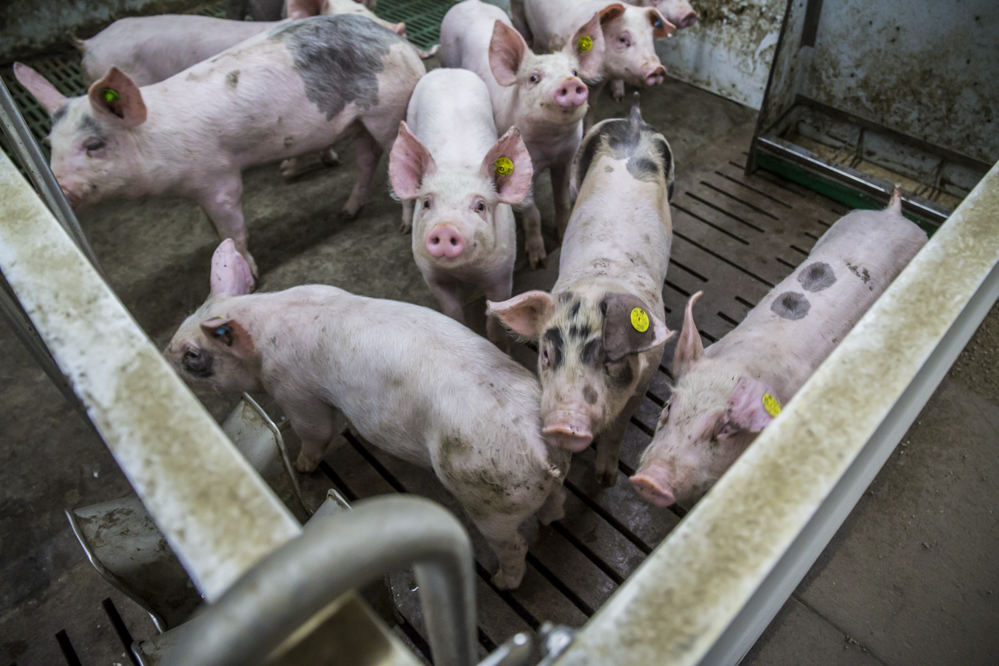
978 365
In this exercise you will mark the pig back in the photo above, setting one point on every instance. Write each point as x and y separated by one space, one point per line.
800 322
451 113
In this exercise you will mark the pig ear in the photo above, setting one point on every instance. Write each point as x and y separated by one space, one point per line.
610 13
409 163
630 327
751 407
231 275
661 28
508 165
230 334
525 314
588 43
506 52
119 96
44 92
689 347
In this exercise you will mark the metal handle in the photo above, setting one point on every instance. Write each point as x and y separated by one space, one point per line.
340 553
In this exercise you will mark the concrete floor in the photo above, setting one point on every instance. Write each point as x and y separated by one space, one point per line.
911 578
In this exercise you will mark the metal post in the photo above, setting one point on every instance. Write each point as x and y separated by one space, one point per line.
332 557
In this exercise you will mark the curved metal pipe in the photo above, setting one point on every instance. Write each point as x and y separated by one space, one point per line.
343 552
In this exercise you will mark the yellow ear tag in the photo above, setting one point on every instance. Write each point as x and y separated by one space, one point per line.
585 43
771 405
110 95
640 320
503 166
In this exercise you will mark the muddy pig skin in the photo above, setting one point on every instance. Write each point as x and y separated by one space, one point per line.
413 382
726 394
543 96
449 165
601 331
629 36
295 89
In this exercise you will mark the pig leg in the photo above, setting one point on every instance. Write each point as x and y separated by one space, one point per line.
534 243
510 547
591 113
495 332
447 295
329 157
368 153
408 208
554 507
223 208
560 194
617 90
609 442
315 424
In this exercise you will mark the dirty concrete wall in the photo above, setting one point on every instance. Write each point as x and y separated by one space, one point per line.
31 26
729 50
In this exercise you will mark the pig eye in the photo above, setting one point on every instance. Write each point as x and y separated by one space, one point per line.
192 355
480 207
535 78
575 73
94 144
426 204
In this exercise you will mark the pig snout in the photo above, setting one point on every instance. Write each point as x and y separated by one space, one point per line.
653 485
572 93
567 430
656 76
688 20
445 241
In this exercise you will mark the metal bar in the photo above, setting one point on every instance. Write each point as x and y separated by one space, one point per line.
332 557
33 161
873 187
707 592
214 510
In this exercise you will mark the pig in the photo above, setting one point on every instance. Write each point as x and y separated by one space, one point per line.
448 160
678 12
601 330
297 88
726 395
297 9
412 381
628 32
544 96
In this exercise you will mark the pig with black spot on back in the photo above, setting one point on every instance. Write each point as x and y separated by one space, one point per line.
726 394
543 96
411 381
629 35
601 331
295 89
458 180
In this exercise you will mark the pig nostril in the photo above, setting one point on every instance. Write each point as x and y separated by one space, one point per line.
454 241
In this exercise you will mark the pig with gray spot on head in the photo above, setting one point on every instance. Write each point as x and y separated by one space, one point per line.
413 382
601 331
726 394
295 89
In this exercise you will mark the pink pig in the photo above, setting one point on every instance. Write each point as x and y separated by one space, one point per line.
726 394
449 165
411 381
295 89
544 96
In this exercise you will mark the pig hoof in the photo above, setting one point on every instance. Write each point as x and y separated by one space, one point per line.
330 158
501 581
537 258
349 212
305 465
607 479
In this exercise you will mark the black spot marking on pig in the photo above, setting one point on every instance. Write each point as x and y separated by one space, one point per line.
554 337
59 114
791 305
89 125
608 169
817 276
574 310
338 58
580 332
232 79
641 168
862 273
621 375
592 354
649 155
589 395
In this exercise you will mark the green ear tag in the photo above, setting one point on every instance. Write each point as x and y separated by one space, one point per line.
110 95
585 43
503 166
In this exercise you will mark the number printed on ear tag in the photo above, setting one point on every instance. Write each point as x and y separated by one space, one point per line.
503 166
640 320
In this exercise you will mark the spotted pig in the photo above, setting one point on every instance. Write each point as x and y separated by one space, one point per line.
295 89
601 331
726 394
411 381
